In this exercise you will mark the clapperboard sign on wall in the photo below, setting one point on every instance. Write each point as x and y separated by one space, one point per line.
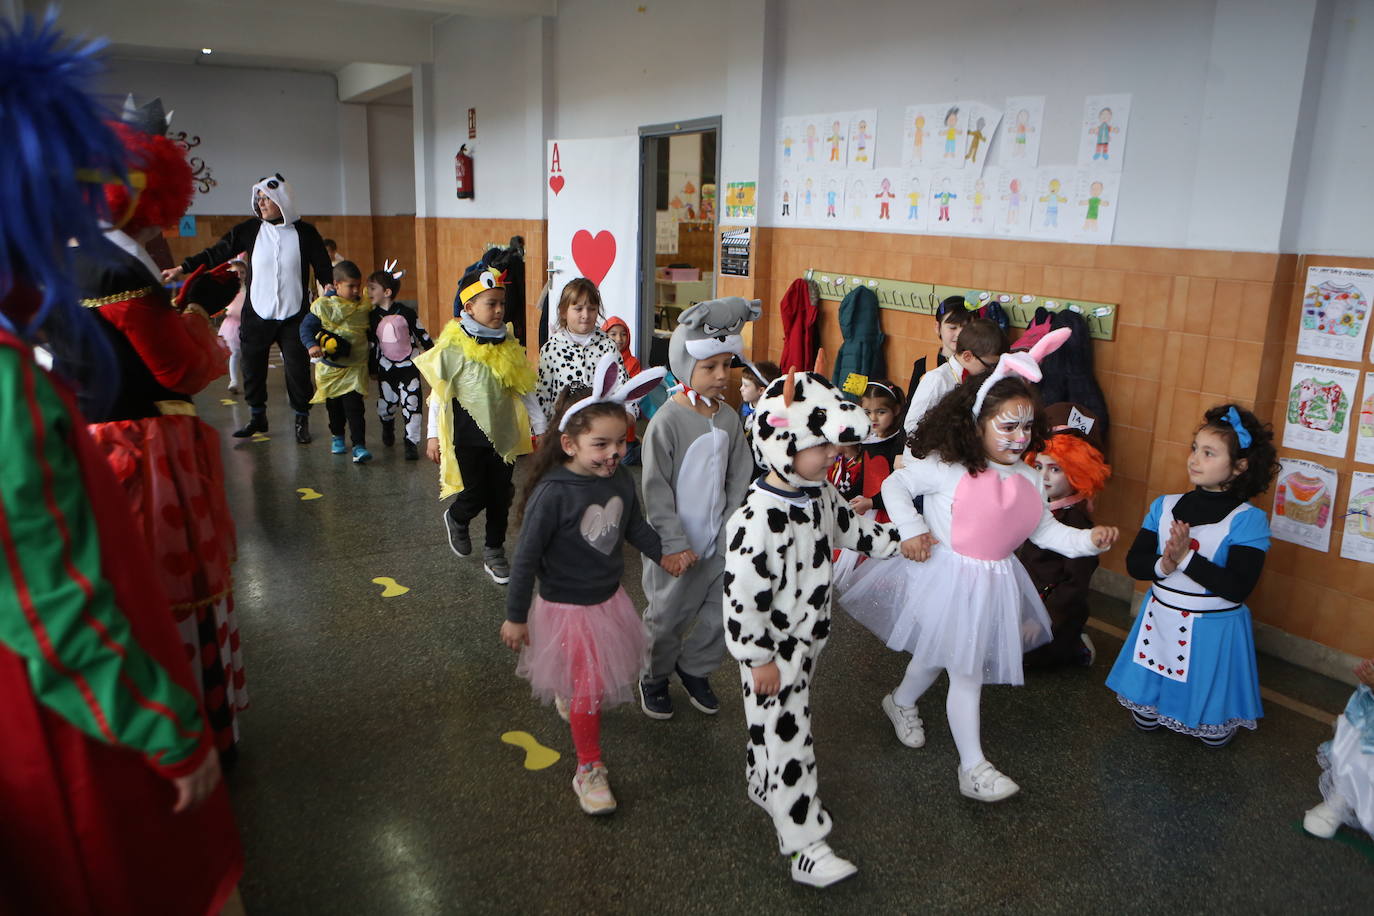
734 252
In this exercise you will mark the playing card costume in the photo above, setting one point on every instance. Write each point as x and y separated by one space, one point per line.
166 459
99 706
282 253
696 470
777 592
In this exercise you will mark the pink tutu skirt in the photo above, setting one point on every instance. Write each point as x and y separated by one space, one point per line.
584 651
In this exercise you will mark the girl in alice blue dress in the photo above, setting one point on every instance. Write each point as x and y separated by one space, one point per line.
1188 663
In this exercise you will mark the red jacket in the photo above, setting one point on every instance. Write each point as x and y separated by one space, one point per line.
801 334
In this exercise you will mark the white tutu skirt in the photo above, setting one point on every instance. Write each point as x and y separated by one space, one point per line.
1347 762
974 618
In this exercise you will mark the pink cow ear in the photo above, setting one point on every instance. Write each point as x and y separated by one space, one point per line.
778 420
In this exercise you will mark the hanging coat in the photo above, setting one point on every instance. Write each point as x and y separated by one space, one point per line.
862 350
801 336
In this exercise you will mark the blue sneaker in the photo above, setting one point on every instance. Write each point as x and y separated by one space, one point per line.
361 455
336 445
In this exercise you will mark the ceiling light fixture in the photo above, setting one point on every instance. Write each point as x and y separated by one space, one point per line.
207 50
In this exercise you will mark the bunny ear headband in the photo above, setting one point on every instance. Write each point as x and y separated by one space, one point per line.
1024 364
604 390
390 267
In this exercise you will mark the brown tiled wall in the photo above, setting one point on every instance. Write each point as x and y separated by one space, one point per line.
1321 597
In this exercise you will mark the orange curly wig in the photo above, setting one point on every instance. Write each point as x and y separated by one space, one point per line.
1083 464
169 182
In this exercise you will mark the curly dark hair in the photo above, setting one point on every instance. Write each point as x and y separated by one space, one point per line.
1261 458
550 451
951 433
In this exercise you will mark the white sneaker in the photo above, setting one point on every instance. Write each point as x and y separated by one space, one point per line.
986 784
906 722
818 866
1091 658
561 705
593 790
1322 821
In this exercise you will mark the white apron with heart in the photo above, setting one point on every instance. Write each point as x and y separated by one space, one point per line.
1164 642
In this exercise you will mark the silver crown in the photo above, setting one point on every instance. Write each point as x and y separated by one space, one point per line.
148 117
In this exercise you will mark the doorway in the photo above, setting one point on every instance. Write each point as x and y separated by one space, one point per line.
679 165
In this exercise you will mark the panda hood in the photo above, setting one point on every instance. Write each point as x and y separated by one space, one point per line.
798 411
278 190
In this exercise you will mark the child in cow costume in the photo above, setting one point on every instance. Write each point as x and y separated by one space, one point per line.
777 602
397 334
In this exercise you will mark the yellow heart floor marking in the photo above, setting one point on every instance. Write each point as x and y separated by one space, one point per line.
259 437
308 494
537 756
391 588
228 402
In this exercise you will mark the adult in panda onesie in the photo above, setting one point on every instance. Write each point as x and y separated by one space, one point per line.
283 250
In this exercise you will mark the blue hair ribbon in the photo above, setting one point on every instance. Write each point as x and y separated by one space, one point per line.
1232 417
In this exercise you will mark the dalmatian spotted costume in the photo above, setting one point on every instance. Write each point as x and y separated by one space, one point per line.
777 589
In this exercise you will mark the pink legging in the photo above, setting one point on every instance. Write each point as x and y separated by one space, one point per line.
584 711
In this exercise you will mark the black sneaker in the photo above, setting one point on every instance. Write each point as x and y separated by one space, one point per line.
654 700
302 428
699 692
388 433
257 423
412 451
459 541
497 566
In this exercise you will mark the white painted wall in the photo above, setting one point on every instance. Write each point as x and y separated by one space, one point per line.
251 123
1339 183
391 155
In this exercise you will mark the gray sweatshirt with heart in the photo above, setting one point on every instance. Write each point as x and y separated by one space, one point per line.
572 540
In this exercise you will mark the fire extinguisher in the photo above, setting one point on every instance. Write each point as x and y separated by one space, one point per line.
462 173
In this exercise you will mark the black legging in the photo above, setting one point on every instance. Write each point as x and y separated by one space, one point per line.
347 407
256 336
487 484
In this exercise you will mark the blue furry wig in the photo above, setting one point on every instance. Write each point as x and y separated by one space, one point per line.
58 149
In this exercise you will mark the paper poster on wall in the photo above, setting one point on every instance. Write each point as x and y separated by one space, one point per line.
919 144
858 203
982 127
785 201
882 206
789 146
913 201
1052 217
980 194
811 197
665 232
1303 501
1364 429
1335 313
947 201
1015 190
830 202
1319 409
1357 541
741 202
810 139
1102 141
1093 206
863 128
835 139
1022 119
593 228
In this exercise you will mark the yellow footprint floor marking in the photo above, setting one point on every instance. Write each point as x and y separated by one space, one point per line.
390 587
307 493
537 756
259 437
228 402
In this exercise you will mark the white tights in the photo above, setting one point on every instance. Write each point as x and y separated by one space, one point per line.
234 368
961 707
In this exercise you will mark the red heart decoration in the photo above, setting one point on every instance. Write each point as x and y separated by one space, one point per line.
1183 642
593 255
1142 654
1148 627
556 184
1180 672
1161 667
1185 613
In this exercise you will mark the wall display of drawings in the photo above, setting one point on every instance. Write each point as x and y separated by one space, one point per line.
834 140
1320 408
1364 430
1358 541
1102 141
1019 141
1335 313
1304 502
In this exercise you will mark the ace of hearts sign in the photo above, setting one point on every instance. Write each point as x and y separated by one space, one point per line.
592 188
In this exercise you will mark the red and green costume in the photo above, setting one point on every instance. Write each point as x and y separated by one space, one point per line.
98 704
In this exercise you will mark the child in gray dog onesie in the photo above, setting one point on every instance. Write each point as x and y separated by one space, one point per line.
697 467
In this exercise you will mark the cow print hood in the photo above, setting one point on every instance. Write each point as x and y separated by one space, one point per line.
798 411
